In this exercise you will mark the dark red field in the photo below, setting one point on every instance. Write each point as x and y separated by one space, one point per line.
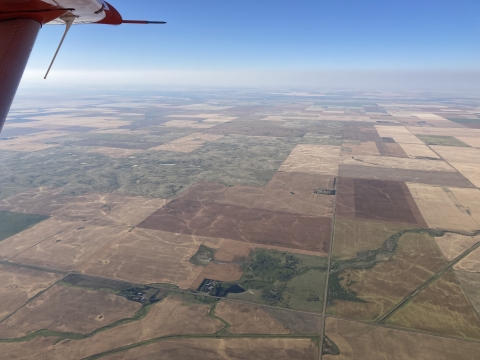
377 200
196 213
454 179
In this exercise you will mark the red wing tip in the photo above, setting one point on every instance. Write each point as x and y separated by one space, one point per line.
143 22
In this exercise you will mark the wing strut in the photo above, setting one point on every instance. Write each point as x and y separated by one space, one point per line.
68 22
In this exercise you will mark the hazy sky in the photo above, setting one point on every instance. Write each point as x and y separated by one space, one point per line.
266 42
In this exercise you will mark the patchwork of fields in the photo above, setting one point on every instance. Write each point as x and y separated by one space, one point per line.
202 226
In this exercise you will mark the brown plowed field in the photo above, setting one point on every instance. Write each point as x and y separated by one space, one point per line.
220 272
241 223
390 149
441 178
26 239
150 256
256 128
224 349
68 309
352 236
366 342
441 308
377 200
248 319
169 317
360 133
18 284
416 259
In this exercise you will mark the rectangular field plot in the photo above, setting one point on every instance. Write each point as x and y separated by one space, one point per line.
18 243
397 163
419 151
400 134
471 141
17 285
441 308
275 228
377 200
441 178
448 208
442 140
362 148
313 159
149 256
459 154
68 249
361 342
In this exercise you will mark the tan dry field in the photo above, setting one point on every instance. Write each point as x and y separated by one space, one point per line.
470 284
26 239
220 272
169 317
150 257
448 208
400 134
27 349
472 141
224 349
454 154
18 284
135 210
68 309
304 202
363 148
471 262
313 159
471 171
416 259
442 308
188 143
51 201
418 151
69 249
396 163
353 236
460 132
24 146
188 124
42 200
366 342
452 245
115 153
248 319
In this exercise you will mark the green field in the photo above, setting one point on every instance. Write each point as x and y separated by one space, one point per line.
441 140
12 223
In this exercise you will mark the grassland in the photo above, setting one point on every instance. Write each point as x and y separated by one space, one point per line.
284 279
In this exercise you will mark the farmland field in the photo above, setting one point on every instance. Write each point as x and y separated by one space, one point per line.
229 225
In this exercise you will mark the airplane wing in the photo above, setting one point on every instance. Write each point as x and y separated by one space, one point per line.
20 23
